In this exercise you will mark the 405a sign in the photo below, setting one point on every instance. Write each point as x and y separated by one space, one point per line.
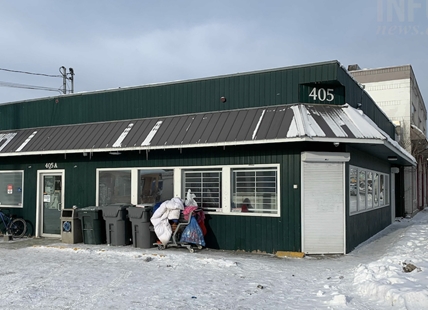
318 93
51 165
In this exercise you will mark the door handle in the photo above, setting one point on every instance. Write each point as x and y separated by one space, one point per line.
59 206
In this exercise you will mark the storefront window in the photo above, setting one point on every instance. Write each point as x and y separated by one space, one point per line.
369 190
238 190
372 191
155 185
114 187
254 190
376 190
362 190
381 190
353 190
11 188
205 185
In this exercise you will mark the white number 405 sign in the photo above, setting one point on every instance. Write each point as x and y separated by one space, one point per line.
322 94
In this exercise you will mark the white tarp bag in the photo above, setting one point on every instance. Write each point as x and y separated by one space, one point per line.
190 199
168 210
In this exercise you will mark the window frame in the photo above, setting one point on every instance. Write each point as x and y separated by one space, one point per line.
112 170
369 202
353 189
22 189
178 185
254 198
359 207
184 172
374 177
226 191
159 187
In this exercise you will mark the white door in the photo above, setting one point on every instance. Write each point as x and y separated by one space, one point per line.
323 207
50 197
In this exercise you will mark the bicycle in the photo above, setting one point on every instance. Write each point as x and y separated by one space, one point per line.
17 227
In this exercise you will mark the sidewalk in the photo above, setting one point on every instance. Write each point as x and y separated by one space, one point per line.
44 273
19 243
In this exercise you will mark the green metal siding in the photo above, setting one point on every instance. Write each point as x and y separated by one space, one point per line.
249 233
252 89
362 226
270 87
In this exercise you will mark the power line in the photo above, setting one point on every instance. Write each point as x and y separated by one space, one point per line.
31 73
66 76
23 86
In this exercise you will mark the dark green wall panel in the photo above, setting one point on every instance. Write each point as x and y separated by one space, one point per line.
265 234
249 233
253 89
360 227
270 87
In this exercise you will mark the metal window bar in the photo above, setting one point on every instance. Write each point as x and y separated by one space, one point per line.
259 186
206 186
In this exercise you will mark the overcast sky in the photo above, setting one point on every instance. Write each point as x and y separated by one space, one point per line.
112 44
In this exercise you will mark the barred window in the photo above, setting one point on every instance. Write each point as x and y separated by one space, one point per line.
206 185
238 190
255 190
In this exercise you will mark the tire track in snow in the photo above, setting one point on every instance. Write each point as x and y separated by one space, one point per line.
116 282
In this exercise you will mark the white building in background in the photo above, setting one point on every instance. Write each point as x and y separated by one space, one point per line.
396 92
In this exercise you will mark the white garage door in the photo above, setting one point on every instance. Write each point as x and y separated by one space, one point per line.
323 207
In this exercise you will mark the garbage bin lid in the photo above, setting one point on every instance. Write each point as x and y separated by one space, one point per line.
114 210
91 208
145 205
118 206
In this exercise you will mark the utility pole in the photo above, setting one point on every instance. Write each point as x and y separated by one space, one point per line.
65 77
71 78
63 71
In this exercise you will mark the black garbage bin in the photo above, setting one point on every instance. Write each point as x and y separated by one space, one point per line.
118 226
139 216
93 225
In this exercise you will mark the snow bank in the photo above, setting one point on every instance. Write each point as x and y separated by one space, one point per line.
386 278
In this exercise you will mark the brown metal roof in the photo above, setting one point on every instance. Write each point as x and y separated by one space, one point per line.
277 124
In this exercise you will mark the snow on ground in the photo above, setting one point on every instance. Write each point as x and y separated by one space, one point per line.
54 275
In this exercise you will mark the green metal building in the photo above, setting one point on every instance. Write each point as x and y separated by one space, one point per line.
289 159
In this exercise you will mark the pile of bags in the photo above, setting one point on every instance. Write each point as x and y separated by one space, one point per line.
170 211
